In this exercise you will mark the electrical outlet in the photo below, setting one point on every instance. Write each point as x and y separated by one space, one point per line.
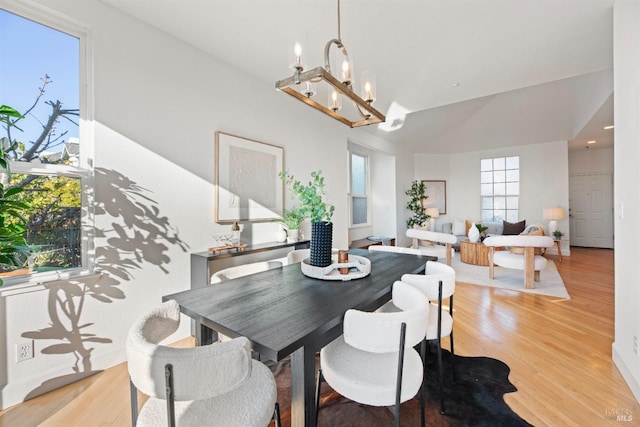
635 344
24 350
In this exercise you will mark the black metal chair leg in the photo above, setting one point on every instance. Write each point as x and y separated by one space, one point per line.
440 376
276 415
318 384
134 403
423 355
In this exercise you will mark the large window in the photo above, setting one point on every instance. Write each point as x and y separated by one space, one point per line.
40 78
500 188
359 189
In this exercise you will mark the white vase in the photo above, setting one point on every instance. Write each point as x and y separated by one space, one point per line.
292 235
281 235
474 234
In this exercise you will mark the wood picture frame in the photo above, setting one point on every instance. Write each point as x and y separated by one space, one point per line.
247 186
436 190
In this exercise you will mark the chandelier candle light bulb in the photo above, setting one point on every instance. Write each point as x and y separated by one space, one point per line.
297 50
346 73
335 101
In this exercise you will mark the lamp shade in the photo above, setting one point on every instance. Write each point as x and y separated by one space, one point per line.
432 212
553 213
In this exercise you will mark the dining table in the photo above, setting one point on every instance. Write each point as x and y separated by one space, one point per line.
285 313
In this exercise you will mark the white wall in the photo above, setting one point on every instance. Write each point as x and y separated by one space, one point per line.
543 181
591 161
158 103
626 61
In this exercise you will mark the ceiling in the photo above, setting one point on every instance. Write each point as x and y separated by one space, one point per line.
452 75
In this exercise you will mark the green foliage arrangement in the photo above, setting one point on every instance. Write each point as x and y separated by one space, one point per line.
310 196
6 113
292 218
13 247
481 228
557 234
415 204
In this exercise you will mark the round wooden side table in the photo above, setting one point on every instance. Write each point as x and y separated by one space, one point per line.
476 253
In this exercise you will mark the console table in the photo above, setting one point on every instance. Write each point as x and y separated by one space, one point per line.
204 264
365 243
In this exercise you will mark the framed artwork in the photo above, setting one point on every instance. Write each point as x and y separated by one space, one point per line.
437 192
247 184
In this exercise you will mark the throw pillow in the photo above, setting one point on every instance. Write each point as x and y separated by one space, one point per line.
459 227
513 228
530 230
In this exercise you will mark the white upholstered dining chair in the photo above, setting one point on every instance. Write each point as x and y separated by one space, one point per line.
437 283
297 255
374 362
243 270
394 249
213 385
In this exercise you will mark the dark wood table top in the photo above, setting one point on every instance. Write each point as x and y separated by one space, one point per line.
281 310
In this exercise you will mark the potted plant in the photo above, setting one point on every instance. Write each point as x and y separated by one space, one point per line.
312 206
557 234
481 230
415 205
291 219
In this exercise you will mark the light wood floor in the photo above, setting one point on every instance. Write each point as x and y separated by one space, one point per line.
559 352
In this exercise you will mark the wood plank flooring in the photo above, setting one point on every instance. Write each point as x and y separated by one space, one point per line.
559 352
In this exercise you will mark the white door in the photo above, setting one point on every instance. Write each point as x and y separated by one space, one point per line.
591 210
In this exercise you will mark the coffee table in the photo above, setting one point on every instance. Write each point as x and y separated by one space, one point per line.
476 253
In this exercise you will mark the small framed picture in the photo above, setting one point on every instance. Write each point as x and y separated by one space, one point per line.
437 195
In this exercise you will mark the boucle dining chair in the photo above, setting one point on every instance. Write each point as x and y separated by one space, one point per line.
243 270
213 385
395 249
298 255
374 362
437 283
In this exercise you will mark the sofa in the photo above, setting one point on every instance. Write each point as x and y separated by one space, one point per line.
460 229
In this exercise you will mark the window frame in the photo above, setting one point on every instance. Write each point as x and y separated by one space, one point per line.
351 195
84 171
506 196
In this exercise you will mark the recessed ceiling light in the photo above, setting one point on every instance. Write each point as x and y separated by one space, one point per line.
609 127
591 142
457 84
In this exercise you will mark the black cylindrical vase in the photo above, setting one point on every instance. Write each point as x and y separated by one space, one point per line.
321 243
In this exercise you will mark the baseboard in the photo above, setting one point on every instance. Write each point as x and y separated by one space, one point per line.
626 372
19 391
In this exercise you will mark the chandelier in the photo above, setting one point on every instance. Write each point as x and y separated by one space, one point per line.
318 84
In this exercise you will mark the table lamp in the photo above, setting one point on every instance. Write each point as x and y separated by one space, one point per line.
553 214
433 213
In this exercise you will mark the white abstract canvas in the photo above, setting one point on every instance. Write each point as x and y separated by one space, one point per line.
247 184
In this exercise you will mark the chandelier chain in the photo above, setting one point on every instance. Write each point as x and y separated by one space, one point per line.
339 27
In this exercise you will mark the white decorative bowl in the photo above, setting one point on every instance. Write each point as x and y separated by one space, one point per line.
359 267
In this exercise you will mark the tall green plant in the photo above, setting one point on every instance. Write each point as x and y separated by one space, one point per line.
415 204
310 196
14 249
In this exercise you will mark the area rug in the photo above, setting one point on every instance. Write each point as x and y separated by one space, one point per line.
550 283
476 398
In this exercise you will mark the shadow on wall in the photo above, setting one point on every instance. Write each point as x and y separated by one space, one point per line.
138 236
